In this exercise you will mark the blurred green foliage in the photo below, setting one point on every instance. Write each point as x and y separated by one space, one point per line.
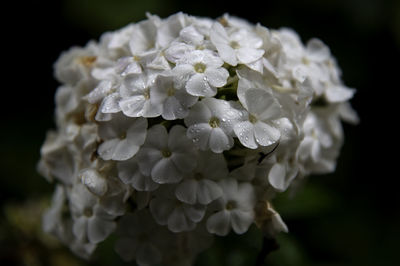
349 217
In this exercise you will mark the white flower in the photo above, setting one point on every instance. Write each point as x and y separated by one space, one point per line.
258 128
129 173
234 208
167 157
53 216
56 159
175 101
210 124
282 165
201 186
143 38
122 137
74 65
191 38
202 73
237 113
91 221
316 138
136 97
178 216
236 45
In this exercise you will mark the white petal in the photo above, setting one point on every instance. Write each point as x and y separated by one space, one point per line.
99 92
317 50
227 53
229 187
219 223
218 34
176 51
241 221
79 228
277 176
245 196
336 94
94 182
99 229
186 191
178 222
217 77
136 133
247 55
200 135
165 171
219 141
261 103
106 150
183 70
258 65
157 137
133 106
177 140
151 109
191 35
245 132
173 109
129 173
265 134
124 150
147 158
207 191
110 103
199 113
198 85
195 212
144 183
185 99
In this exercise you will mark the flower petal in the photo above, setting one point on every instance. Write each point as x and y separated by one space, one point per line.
186 191
219 141
277 176
241 221
99 229
133 106
207 191
200 134
217 77
165 171
265 134
195 213
219 223
198 85
245 132
178 222
248 55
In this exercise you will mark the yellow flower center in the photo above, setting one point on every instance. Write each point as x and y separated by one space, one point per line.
200 67
214 122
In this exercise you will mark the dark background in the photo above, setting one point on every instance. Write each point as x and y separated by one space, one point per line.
350 217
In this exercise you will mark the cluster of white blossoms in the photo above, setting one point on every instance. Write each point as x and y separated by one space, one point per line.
170 131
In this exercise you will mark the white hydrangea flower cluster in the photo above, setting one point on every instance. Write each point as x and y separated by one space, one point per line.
170 131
